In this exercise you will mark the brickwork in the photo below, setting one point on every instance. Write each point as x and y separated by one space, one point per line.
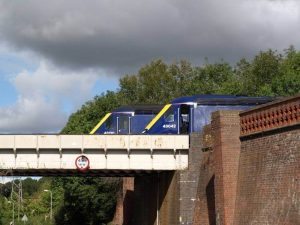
226 147
218 170
283 113
204 212
188 181
269 172
168 198
269 179
124 202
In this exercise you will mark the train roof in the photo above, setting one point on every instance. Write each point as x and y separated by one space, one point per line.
139 109
223 100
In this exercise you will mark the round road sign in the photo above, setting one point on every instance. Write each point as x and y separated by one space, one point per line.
82 163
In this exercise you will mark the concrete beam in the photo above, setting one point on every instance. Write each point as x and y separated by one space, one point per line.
105 152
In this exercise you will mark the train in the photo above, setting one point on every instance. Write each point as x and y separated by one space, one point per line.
183 115
130 119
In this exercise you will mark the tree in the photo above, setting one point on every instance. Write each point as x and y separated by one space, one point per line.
288 83
88 201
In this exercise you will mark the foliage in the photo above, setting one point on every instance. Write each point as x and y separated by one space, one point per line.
35 203
87 201
270 73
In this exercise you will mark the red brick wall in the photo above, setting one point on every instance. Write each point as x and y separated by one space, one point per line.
205 200
269 179
219 170
124 202
269 171
226 147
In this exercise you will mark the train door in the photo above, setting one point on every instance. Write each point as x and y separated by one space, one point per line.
184 119
123 124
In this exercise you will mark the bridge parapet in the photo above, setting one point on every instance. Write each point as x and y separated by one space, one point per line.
39 154
271 116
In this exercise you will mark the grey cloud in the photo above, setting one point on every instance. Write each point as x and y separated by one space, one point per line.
122 35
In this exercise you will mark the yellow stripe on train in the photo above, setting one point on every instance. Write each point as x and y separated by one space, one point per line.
100 123
154 120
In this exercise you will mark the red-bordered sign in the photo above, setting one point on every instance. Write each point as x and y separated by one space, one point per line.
82 163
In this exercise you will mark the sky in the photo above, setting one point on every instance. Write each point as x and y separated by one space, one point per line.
56 55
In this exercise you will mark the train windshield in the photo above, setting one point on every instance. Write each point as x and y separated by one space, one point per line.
109 126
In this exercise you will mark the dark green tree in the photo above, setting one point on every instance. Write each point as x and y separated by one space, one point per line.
89 201
288 83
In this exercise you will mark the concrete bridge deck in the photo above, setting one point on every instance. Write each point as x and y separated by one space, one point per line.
106 155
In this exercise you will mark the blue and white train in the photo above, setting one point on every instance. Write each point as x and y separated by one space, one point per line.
183 115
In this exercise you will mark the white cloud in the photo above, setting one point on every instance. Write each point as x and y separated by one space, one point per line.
42 98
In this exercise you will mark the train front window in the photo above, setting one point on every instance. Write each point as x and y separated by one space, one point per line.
169 116
110 125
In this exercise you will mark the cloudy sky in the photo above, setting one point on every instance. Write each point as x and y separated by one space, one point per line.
55 55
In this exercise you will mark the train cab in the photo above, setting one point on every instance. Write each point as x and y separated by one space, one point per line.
131 119
185 115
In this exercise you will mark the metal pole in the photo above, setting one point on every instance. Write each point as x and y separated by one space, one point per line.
51 214
19 198
129 121
157 201
13 219
178 123
117 125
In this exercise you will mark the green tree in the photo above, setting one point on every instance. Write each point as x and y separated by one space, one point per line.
288 83
212 78
88 201
153 84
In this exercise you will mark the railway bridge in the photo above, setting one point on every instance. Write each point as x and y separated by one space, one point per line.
101 155
148 162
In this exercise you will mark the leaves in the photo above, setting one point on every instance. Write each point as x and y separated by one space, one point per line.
88 201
